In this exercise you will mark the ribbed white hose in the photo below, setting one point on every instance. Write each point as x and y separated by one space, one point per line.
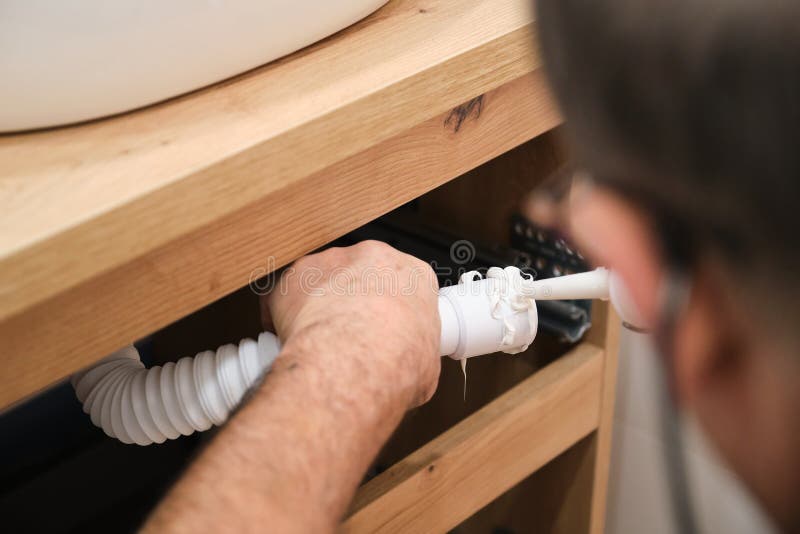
144 406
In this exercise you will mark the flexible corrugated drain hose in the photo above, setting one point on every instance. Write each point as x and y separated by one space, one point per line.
144 406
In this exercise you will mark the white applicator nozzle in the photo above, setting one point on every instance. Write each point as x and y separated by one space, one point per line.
598 284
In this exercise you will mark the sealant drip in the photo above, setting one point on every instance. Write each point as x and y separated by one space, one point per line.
464 370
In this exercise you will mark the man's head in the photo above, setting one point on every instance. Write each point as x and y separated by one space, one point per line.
686 113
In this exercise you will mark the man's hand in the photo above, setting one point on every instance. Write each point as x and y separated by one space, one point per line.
368 308
360 328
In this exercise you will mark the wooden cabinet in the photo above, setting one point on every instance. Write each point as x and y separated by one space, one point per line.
112 230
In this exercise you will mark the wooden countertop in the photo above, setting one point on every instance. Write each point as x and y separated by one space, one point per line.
114 228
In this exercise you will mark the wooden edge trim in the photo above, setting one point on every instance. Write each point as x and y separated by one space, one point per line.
607 334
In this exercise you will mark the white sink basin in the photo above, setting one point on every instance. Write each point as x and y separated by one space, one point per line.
65 61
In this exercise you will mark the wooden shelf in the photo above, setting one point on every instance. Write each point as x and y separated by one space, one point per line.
452 477
115 228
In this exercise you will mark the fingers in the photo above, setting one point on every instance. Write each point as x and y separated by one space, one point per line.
368 295
266 316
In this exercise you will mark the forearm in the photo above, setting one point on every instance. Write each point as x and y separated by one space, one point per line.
292 458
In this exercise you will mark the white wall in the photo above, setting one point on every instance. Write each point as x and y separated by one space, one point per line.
638 501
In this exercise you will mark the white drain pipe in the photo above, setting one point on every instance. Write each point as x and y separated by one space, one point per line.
144 406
